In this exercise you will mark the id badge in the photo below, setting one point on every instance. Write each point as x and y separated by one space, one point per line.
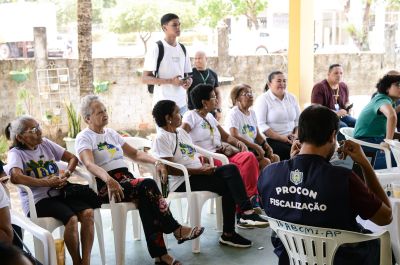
336 107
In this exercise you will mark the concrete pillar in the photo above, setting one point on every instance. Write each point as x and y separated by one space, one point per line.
40 44
390 44
223 48
301 50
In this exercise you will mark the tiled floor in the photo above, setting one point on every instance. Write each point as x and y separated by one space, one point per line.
211 251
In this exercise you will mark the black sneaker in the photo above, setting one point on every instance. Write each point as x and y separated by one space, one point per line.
235 240
252 220
241 225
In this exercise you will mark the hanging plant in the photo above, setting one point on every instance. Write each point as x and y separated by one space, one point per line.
20 76
101 86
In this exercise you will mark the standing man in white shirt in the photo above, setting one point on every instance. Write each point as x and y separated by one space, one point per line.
172 78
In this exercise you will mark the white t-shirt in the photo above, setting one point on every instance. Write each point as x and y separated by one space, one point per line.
4 200
38 163
201 133
174 63
106 147
282 116
164 146
245 124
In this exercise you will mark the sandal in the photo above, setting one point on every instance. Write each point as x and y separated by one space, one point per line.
161 262
194 233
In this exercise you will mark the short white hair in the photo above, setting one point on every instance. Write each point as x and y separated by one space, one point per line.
17 126
86 101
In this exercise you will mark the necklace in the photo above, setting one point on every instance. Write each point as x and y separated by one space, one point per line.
336 93
204 78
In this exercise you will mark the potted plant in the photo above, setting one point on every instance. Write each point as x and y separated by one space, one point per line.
20 76
74 127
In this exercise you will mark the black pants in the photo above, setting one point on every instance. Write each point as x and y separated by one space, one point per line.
280 148
153 209
227 182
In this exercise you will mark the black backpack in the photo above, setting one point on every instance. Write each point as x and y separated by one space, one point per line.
150 87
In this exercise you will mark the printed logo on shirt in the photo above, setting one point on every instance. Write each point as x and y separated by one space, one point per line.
111 149
175 59
296 177
249 131
187 150
40 169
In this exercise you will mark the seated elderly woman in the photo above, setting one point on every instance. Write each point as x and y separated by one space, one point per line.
242 124
32 162
206 132
174 144
102 151
377 121
277 114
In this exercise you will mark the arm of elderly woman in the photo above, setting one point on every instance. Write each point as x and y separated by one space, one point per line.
235 133
391 116
225 137
18 177
112 185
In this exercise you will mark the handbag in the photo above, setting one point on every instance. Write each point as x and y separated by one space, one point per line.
228 149
25 250
79 192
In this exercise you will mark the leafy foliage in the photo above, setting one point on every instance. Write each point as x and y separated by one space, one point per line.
74 121
212 11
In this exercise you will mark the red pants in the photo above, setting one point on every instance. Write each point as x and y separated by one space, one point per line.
247 164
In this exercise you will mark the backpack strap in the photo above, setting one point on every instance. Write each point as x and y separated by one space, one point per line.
183 48
160 56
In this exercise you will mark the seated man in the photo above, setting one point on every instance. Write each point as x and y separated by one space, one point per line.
335 195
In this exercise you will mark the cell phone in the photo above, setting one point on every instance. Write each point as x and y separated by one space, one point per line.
185 78
349 107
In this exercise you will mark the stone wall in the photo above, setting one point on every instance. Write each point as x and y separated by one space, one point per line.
129 103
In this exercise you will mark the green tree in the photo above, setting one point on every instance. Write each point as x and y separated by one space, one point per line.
213 11
359 36
137 18
250 9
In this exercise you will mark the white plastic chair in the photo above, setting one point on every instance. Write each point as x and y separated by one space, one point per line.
42 235
50 224
317 246
348 133
196 199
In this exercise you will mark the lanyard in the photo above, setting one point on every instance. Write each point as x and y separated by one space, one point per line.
202 77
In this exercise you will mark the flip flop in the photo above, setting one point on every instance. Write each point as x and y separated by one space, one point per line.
161 262
194 233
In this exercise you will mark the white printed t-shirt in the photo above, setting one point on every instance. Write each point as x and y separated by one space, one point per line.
38 163
173 63
201 133
164 146
106 147
245 124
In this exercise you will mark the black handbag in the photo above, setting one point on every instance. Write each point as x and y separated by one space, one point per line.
79 192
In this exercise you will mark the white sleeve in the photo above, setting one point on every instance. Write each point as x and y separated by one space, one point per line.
83 142
188 65
261 109
117 137
297 107
150 60
188 118
14 160
232 120
4 200
162 147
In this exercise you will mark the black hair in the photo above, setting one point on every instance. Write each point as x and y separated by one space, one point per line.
271 76
167 18
385 82
333 66
316 125
162 109
10 254
199 93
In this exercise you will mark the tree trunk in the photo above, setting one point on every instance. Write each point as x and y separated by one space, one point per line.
360 40
85 47
145 36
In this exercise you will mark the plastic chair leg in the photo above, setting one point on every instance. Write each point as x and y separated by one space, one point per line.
39 250
211 209
118 217
100 238
136 223
219 213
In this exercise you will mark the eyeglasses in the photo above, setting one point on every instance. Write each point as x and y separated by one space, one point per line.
34 130
248 94
211 98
